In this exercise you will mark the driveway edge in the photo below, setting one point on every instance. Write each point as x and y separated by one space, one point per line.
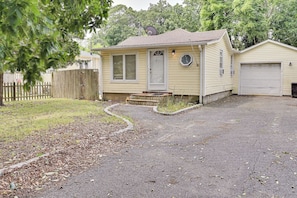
155 108
128 128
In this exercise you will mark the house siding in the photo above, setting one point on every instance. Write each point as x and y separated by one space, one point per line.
183 80
180 80
214 82
110 86
270 53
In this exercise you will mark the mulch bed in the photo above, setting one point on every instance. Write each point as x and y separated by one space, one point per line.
72 149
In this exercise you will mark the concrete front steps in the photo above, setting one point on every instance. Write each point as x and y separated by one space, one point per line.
147 98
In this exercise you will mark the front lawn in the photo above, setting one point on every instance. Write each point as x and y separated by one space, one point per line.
22 118
67 135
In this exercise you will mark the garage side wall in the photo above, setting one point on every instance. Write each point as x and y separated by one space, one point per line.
269 52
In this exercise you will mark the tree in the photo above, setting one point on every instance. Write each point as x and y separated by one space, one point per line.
190 17
282 21
250 22
38 34
122 23
215 14
158 16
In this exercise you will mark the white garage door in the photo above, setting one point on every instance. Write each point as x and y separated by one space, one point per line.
260 79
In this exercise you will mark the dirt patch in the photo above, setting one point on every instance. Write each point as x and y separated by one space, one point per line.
72 148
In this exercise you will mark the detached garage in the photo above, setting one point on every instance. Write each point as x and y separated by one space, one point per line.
268 68
260 79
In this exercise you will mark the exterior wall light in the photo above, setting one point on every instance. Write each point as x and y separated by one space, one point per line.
290 64
173 52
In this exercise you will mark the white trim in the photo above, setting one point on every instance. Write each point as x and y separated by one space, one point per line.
202 74
124 72
219 40
165 86
186 65
100 76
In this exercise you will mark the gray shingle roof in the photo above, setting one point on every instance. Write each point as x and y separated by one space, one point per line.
176 37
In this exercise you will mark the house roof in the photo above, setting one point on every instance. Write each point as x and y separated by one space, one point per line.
178 37
269 41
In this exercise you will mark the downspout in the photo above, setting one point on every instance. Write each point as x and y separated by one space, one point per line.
100 78
201 49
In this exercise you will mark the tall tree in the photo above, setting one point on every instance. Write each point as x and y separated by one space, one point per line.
122 23
190 17
158 16
215 14
38 34
250 22
282 21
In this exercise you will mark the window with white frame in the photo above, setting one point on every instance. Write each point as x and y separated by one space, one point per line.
232 71
124 67
221 62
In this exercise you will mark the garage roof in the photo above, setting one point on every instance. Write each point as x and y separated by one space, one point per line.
269 41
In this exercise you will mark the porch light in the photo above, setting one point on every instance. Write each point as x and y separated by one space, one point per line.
173 52
290 64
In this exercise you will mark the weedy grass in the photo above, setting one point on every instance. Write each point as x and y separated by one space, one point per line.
21 118
173 104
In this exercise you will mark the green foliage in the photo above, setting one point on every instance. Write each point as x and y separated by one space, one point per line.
38 34
215 14
283 21
251 24
251 21
173 104
124 22
248 21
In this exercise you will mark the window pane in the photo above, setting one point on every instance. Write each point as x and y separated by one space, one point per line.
118 67
130 67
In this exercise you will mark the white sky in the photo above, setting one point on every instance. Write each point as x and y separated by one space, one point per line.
142 4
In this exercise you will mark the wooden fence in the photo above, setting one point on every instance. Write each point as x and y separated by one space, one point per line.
75 84
15 91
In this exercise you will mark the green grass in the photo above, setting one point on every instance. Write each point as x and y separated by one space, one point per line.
172 104
21 118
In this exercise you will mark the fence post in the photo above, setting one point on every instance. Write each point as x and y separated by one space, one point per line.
14 92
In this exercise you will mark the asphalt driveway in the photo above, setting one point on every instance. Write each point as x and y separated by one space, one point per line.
236 147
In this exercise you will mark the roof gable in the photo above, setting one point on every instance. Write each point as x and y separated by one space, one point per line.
176 37
268 41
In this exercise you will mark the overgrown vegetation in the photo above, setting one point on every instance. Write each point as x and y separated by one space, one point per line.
40 34
173 104
22 118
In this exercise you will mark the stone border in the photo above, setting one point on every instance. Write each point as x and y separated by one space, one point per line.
128 128
21 164
155 108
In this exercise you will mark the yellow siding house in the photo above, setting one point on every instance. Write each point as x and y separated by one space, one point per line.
194 64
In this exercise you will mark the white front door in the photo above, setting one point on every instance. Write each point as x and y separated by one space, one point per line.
157 70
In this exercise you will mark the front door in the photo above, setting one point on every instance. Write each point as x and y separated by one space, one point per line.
157 70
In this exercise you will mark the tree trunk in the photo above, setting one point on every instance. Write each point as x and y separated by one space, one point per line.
1 89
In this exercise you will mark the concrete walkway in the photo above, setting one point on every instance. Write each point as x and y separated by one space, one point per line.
236 147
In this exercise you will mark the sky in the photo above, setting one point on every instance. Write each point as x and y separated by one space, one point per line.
142 4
